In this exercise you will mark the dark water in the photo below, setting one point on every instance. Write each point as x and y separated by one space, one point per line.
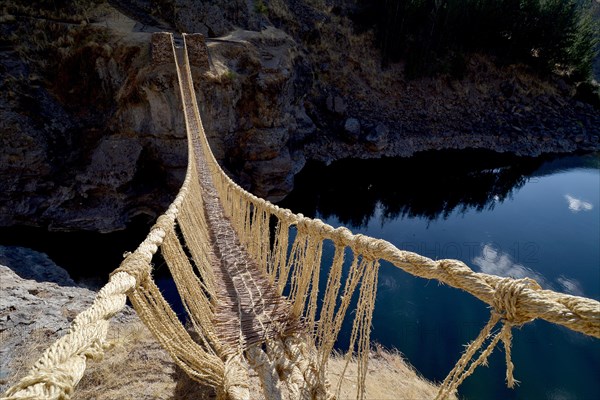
501 215
88 256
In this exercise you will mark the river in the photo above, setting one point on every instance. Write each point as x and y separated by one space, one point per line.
503 215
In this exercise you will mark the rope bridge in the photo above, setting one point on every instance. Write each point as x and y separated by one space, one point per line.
249 273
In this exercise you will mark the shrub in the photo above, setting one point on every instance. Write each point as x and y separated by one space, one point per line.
428 34
260 7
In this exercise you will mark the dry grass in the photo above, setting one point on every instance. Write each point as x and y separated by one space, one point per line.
136 367
389 377
78 11
26 354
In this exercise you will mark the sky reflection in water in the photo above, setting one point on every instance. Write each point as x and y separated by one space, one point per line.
508 216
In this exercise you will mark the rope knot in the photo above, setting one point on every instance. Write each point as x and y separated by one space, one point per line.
302 225
341 236
506 299
137 265
256 357
506 305
235 382
364 245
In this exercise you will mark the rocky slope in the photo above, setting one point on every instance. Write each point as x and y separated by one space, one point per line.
88 145
92 134
38 300
251 102
34 313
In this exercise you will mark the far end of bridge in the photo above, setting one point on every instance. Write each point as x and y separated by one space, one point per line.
162 49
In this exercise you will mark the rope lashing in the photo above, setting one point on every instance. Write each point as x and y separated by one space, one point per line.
506 297
505 310
235 385
137 265
231 271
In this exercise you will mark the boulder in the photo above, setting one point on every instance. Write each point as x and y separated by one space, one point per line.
263 144
272 179
352 129
377 139
31 264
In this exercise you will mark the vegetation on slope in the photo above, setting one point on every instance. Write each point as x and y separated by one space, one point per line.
433 36
67 11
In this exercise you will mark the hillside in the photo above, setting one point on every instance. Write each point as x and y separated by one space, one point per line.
93 135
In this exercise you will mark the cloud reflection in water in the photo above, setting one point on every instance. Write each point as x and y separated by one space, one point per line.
570 286
577 205
495 262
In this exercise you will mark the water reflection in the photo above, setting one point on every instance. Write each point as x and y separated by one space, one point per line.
430 185
493 261
576 205
500 215
570 286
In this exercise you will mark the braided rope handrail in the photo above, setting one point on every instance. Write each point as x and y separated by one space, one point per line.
62 365
514 301
578 313
575 312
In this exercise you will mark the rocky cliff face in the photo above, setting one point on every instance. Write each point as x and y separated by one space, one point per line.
92 134
253 109
89 145
102 140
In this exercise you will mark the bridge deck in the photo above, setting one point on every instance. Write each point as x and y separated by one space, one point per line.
247 308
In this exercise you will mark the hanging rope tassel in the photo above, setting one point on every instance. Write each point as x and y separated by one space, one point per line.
506 310
231 271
